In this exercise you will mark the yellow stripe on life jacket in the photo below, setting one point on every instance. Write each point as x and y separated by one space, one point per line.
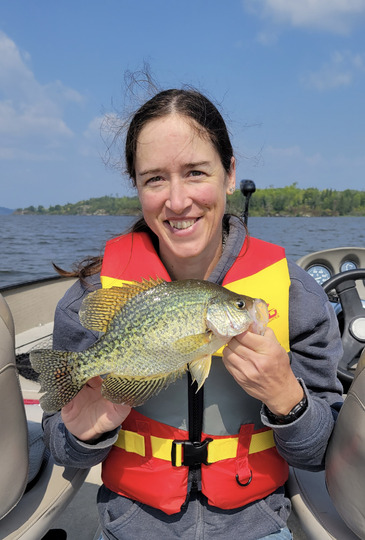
218 449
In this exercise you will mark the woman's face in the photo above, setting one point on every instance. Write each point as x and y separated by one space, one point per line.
182 186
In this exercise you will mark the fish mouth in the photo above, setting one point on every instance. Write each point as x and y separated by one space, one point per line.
182 224
260 316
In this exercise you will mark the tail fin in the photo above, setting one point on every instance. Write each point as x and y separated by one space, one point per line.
55 376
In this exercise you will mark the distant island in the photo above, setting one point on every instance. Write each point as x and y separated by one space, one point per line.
5 211
287 201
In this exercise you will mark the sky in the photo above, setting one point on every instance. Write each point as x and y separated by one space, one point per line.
287 75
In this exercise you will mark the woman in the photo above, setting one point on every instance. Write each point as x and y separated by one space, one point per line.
270 403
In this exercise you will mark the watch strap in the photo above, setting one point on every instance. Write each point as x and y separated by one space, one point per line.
294 414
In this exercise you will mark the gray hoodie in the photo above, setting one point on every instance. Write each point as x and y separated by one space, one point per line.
315 349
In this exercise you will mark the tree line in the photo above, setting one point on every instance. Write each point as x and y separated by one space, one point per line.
296 202
286 201
107 205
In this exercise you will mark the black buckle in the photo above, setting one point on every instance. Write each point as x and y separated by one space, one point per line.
193 453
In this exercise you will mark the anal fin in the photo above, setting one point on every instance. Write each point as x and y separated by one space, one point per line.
135 391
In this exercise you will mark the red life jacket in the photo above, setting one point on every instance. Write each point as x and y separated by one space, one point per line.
150 460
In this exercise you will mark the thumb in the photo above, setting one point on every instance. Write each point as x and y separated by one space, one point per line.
95 382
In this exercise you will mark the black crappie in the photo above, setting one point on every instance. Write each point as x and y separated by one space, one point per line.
154 331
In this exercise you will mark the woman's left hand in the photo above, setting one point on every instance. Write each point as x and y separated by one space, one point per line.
261 366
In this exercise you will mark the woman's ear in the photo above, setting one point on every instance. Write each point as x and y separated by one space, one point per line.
231 177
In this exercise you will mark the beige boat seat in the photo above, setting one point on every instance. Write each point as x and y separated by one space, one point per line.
34 491
345 463
331 504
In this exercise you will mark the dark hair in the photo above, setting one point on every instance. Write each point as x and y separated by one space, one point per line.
189 103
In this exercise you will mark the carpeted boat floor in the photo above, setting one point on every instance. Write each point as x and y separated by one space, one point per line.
24 367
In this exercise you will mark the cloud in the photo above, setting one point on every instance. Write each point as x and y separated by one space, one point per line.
92 131
340 70
287 152
294 155
337 16
31 114
18 154
91 143
295 158
21 121
281 165
267 37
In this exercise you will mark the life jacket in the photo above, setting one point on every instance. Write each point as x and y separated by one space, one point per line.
150 460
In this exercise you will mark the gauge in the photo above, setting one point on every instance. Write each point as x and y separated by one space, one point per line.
319 273
348 265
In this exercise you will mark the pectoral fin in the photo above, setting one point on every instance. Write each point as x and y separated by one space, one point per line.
200 368
193 342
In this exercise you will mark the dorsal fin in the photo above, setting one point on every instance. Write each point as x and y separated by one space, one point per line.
99 307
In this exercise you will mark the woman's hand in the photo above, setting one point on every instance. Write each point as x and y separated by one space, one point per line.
89 414
261 366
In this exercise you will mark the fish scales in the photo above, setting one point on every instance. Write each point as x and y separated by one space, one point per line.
166 322
154 331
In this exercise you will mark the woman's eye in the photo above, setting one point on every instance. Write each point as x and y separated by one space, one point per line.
154 180
196 173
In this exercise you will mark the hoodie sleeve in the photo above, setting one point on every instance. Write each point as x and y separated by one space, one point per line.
68 332
315 350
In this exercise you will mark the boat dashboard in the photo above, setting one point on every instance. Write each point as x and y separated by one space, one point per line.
324 265
341 273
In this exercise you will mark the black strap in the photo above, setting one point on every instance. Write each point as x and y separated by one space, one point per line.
196 402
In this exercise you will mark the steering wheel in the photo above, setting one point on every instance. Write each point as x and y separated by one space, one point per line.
353 334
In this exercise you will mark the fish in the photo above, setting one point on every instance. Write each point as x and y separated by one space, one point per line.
152 333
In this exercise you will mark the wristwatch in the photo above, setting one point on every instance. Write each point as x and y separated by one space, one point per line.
294 414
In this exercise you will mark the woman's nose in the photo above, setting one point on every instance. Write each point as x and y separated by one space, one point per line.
178 198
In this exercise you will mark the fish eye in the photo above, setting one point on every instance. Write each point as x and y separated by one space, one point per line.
240 304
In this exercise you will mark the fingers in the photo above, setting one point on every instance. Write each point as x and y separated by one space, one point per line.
249 341
258 363
95 382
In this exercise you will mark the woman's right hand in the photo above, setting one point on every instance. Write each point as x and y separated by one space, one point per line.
89 414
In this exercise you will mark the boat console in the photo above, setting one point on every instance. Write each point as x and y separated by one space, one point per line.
341 272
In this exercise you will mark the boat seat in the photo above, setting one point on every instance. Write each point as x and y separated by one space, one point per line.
34 490
330 504
13 424
345 460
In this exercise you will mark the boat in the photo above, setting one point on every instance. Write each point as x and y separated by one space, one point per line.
41 500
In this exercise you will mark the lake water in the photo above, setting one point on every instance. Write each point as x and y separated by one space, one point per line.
29 244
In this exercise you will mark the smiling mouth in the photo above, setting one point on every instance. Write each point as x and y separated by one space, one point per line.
183 224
